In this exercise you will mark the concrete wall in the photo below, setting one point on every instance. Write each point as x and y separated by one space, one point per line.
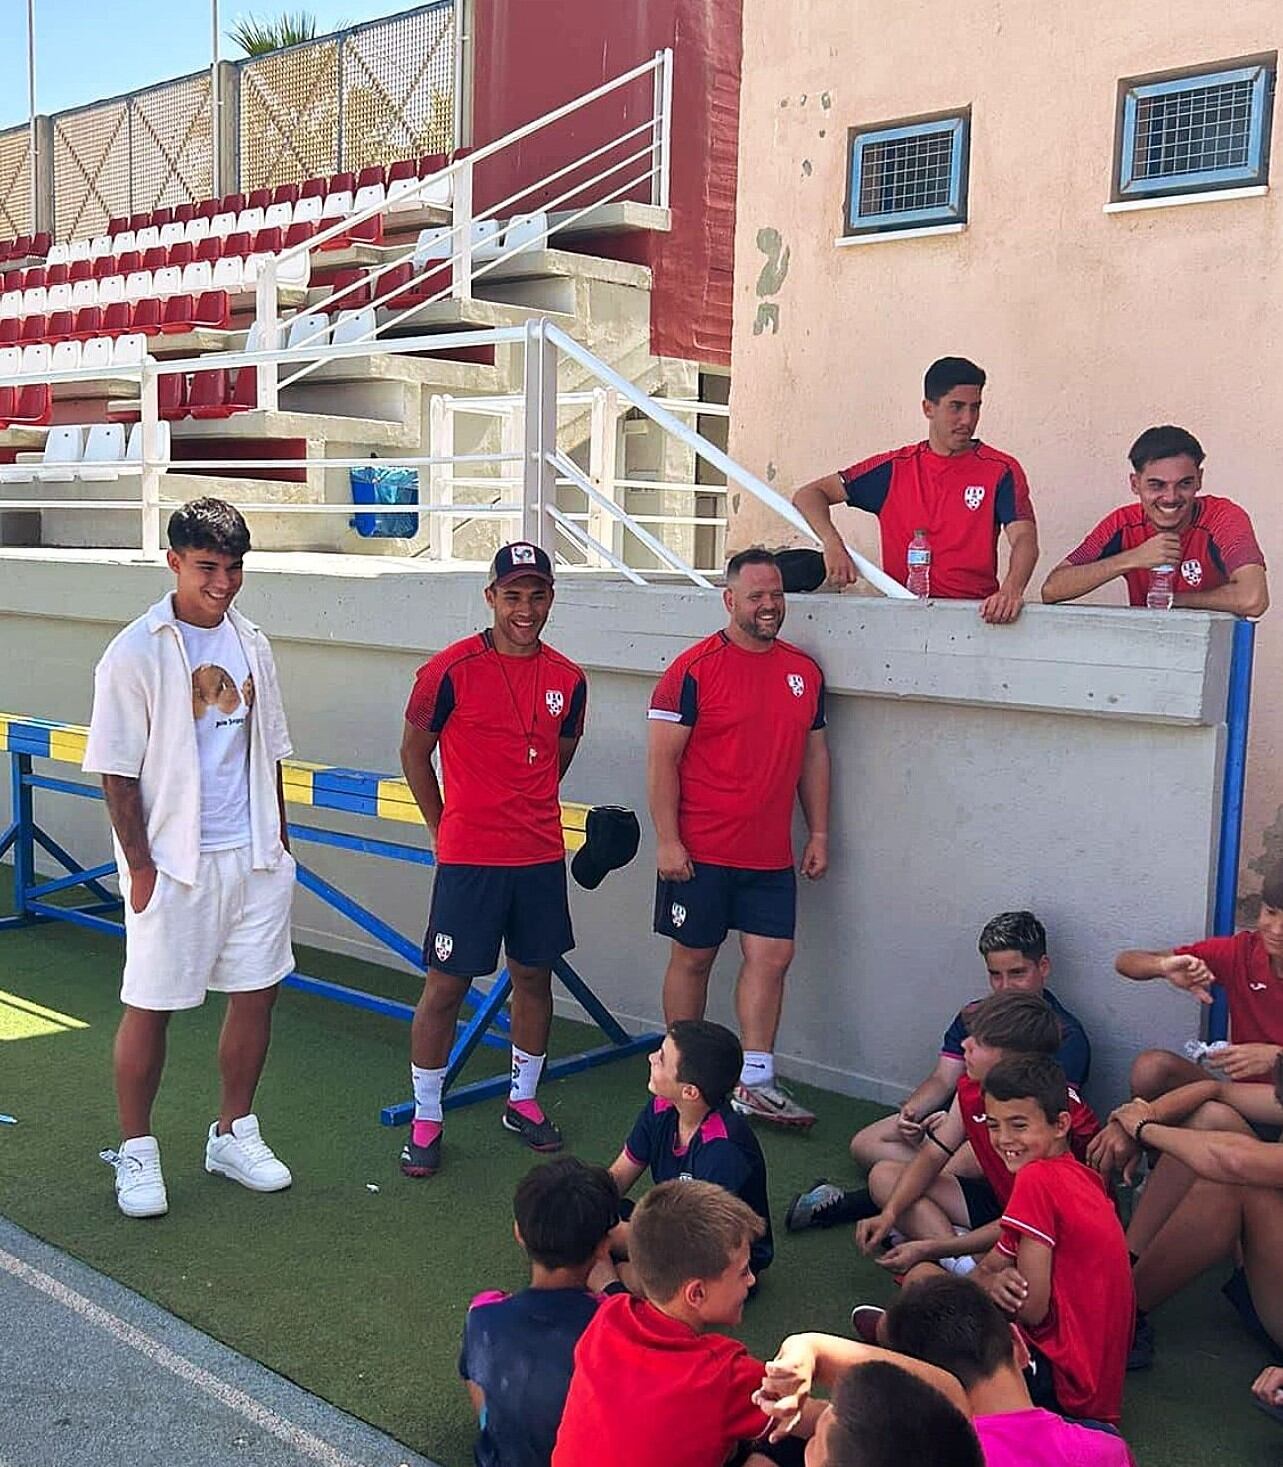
1092 326
974 771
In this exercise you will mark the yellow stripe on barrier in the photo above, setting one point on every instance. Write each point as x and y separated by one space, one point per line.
4 733
68 744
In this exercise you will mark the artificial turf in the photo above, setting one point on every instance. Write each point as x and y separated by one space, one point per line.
359 1294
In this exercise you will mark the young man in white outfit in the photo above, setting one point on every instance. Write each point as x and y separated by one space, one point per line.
188 733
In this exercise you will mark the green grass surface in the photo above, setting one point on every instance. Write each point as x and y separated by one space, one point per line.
358 1295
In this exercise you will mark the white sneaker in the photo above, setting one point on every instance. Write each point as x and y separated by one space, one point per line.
770 1103
140 1187
245 1157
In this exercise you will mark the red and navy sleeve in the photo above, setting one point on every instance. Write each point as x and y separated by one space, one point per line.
432 698
640 1143
676 695
1012 500
1104 541
820 720
1230 536
951 1044
572 726
868 483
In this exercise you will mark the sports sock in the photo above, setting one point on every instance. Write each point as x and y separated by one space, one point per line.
526 1069
759 1068
427 1093
424 1133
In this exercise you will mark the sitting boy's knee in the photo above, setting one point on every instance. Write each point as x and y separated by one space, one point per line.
882 1179
866 1145
1156 1071
1214 1115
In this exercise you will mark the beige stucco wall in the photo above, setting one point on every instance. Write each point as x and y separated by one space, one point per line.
1091 326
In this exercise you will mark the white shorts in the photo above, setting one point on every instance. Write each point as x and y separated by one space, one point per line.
229 933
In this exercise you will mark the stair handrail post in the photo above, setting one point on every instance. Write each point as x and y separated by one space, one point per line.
461 237
663 105
441 475
603 468
267 311
149 484
539 480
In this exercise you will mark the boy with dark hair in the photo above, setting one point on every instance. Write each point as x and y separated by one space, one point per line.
941 1217
1061 1267
1207 542
955 1326
650 1383
689 1131
957 490
518 1348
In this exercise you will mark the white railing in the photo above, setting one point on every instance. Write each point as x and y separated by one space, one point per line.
649 165
600 537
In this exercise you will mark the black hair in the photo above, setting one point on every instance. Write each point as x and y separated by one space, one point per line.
1272 886
886 1417
952 1323
1021 1023
950 372
1035 1077
209 524
1167 441
754 555
709 1057
1015 932
563 1211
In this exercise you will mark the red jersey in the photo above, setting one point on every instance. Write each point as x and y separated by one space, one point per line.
749 714
500 721
1217 542
961 500
1253 990
1088 1329
1083 1125
648 1389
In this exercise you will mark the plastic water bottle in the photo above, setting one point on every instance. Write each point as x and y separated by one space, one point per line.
919 566
1162 582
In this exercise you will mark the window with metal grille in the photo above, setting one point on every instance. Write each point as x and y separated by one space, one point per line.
1194 132
907 175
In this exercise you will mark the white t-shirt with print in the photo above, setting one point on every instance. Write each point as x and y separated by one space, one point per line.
222 694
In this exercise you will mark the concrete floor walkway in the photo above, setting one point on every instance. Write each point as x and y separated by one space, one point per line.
91 1372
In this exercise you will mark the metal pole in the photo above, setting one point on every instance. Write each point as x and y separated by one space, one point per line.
539 486
151 467
1238 707
215 103
32 144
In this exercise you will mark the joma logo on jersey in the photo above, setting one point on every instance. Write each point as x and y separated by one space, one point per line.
1192 572
555 700
443 946
797 684
973 496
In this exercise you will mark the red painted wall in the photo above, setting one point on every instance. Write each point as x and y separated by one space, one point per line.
531 56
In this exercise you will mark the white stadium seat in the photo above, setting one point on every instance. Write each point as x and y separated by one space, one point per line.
278 216
355 326
147 239
402 195
64 447
309 329
66 356
99 246
10 304
129 350
80 249
137 286
34 301
104 451
123 241
58 298
134 450
437 191
59 254
372 196
526 232
167 281
249 221
433 244
485 239
198 276
196 230
307 211
221 225
96 354
111 288
338 205
37 358
229 273
84 293
171 234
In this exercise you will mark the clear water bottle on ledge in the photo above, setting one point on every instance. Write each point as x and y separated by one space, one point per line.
918 581
1162 583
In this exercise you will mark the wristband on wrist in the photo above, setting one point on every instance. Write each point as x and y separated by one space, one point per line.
1148 1121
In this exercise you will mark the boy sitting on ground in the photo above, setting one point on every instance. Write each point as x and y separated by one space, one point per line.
953 1219
689 1130
650 1384
518 1348
952 1324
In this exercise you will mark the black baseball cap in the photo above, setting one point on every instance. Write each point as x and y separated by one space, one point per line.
521 558
611 837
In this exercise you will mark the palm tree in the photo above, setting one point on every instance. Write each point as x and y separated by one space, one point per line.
256 37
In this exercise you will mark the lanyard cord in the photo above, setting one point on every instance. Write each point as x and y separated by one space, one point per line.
529 733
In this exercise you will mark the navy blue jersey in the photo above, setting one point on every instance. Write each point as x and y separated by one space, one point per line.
1074 1054
724 1150
519 1350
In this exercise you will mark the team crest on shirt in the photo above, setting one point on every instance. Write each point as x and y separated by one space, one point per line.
1192 572
443 946
679 914
973 496
797 684
555 700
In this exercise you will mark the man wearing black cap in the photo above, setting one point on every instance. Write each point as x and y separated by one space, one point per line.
508 713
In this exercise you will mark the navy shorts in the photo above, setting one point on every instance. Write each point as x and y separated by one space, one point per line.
475 908
700 912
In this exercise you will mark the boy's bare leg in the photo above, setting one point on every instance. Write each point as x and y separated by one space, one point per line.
139 1063
1204 1228
686 981
934 1215
1171 1179
1263 1255
1156 1071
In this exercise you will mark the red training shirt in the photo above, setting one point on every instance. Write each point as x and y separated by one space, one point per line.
501 806
961 500
1253 990
647 1389
749 714
1083 1125
1087 1332
1218 541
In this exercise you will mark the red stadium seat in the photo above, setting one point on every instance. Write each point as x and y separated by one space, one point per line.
117 319
259 198
20 248
89 322
207 208
213 309
61 326
118 225
10 326
33 330
179 314
357 297
244 397
402 168
367 231
237 243
127 261
313 188
56 275
209 396
34 277
104 266
184 212
33 407
139 221
232 203
146 316
182 253
80 270
340 182
285 193
299 233
211 249
267 242
13 279
431 163
171 397
417 293
40 243
8 397
374 173
155 258
162 216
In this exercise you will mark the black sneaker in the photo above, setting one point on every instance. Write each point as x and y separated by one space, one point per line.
825 1206
421 1161
1141 1354
538 1135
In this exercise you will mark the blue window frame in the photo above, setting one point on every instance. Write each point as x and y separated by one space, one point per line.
1196 132
908 175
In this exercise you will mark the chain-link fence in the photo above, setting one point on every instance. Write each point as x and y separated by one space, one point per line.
372 94
15 181
132 154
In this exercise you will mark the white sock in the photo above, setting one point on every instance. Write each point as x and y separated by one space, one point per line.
759 1068
427 1093
526 1069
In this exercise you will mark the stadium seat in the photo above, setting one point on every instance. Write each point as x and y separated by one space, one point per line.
308 210
403 194
10 329
181 254
232 203
145 316
245 393
13 280
104 266
128 262
39 243
140 220
213 310
485 238
434 243
210 249
359 295
99 246
10 366
196 230
58 297
147 239
89 321
162 216
184 213
78 251
259 198
236 243
313 188
370 175
285 193
57 274
34 278
299 233
308 329
167 282
155 258
125 240
209 396
249 221
179 315
402 168
171 235
20 248
355 325
171 397
278 216
197 276
341 183
338 205
64 447
80 270
59 254
221 225
66 356
267 242
207 208
369 196
137 285
60 325
431 163
95 354
33 330
104 451
84 293
229 274
33 406
366 231
129 350
111 288
134 450
11 304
